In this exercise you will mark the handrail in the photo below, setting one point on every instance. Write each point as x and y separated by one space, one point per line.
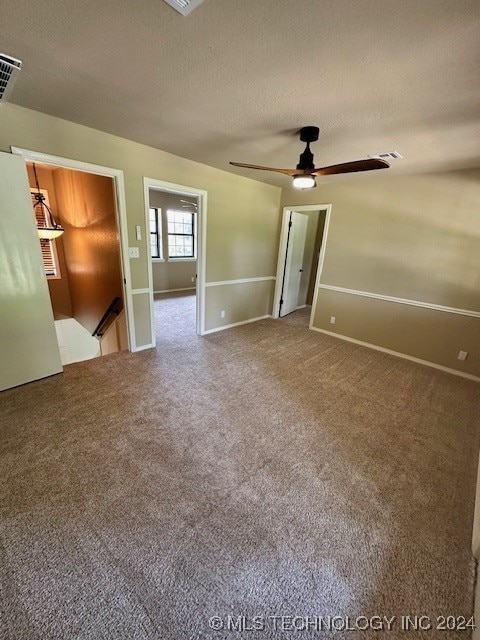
111 309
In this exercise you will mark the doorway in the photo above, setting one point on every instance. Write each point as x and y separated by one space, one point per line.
82 264
90 272
300 258
175 220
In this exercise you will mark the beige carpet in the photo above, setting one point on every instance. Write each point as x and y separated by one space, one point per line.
262 471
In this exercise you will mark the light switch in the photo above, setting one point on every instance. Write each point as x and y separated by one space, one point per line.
133 252
138 232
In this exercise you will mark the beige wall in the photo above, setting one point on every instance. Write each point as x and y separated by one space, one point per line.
243 214
243 227
86 210
239 301
58 287
419 332
414 237
171 274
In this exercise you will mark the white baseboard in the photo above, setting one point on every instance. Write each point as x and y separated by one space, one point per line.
173 290
143 347
469 376
236 324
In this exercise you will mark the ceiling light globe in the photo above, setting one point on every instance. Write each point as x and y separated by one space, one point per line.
304 182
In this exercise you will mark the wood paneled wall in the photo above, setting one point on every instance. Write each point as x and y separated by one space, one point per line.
86 210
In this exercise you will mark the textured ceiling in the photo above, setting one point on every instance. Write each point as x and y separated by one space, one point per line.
237 78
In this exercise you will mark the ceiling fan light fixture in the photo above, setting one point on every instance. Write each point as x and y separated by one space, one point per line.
305 174
49 233
304 182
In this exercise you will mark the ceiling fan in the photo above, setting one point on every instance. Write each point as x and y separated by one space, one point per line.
189 204
306 172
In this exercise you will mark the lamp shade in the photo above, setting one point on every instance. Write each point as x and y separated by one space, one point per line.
49 233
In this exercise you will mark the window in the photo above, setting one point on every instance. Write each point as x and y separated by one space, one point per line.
49 250
155 232
181 234
178 230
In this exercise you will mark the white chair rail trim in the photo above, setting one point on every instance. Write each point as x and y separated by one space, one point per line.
413 303
221 283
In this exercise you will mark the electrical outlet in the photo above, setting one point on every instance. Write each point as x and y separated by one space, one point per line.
222 313
133 252
462 355
332 319
193 279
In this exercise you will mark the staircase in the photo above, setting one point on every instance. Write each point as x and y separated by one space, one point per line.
77 344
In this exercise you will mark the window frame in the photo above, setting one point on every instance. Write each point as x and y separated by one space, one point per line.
192 235
157 233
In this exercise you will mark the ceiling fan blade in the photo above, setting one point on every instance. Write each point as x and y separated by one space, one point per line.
350 167
288 172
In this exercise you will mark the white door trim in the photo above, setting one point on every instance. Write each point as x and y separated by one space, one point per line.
321 260
283 247
121 215
201 240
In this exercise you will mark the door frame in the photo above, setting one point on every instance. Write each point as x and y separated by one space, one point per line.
120 215
282 248
201 244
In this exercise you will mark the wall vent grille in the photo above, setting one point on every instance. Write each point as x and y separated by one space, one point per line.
9 69
184 6
388 155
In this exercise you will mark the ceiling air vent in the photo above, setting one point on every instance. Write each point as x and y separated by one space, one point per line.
9 70
184 6
388 155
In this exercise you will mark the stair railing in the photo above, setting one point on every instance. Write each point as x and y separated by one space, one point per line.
113 309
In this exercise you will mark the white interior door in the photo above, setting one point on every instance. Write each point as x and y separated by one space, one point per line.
28 342
293 263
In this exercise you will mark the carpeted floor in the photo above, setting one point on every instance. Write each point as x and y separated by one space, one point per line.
262 471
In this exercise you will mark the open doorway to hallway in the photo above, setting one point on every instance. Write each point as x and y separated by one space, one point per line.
173 234
176 223
82 265
300 258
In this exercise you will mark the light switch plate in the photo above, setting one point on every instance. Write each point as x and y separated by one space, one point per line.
462 355
138 232
133 252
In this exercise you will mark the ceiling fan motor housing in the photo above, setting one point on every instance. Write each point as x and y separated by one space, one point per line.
308 135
